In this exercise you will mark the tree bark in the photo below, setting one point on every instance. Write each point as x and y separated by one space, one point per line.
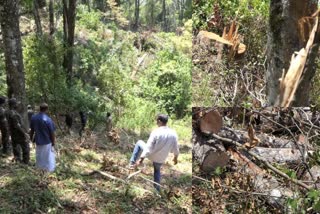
9 18
283 41
69 15
209 155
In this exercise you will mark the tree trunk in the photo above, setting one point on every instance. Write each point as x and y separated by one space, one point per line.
283 41
136 14
37 17
181 12
41 3
69 15
152 7
9 18
164 16
51 17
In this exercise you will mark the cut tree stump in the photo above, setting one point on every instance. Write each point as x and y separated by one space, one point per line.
210 122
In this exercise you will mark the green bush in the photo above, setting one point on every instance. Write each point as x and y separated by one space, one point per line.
89 20
167 82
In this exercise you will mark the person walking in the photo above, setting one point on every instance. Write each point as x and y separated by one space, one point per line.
161 141
43 128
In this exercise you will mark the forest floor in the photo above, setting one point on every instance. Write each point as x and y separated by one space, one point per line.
72 189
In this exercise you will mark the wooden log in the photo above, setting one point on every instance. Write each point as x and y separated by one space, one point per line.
265 163
209 155
279 155
210 122
265 139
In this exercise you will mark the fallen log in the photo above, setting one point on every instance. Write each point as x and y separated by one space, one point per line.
210 156
266 163
279 155
265 140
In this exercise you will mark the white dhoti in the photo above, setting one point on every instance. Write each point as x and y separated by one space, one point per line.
45 157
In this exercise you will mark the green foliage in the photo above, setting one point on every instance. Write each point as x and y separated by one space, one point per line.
167 82
139 114
301 203
104 59
242 11
89 20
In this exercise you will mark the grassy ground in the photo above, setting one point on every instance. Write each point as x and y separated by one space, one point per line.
24 189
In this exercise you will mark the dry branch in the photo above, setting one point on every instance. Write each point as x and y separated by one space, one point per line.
104 174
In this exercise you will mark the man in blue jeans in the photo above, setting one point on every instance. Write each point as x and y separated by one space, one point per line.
162 140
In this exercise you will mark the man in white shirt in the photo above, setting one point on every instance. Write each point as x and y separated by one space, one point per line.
161 141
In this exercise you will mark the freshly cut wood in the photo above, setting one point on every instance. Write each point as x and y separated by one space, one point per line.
210 122
212 36
279 155
210 155
230 38
290 81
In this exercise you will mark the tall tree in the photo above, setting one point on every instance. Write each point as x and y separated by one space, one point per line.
283 40
51 17
164 16
69 19
181 4
151 8
37 18
9 18
136 14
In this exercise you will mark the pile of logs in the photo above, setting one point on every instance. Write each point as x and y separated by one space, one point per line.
282 139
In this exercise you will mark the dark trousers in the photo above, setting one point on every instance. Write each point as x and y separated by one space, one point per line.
24 145
5 140
138 148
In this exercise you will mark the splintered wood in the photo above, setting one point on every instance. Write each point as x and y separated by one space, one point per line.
289 82
230 38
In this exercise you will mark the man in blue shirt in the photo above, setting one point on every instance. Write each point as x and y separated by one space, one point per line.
43 128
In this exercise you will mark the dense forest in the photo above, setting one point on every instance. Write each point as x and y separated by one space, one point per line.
130 59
